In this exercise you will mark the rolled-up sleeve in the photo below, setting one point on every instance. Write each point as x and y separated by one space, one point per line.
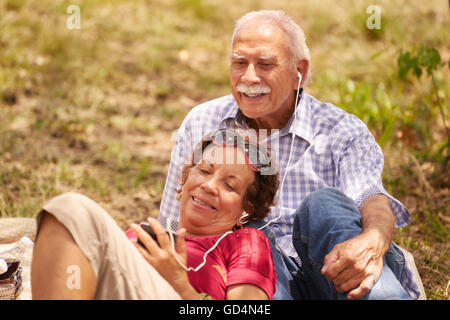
359 172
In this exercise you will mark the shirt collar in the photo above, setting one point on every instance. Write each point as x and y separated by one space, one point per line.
303 117
303 120
234 118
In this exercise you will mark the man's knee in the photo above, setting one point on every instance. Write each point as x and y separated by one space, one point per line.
324 199
327 215
327 203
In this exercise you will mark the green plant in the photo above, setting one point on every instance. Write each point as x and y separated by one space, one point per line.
429 59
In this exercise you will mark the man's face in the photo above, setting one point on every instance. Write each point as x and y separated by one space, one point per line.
262 77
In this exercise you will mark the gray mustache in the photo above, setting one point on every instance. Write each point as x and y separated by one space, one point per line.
253 89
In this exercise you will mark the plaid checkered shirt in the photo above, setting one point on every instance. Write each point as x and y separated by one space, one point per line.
331 148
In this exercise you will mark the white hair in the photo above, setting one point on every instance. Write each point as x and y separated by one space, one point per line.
295 35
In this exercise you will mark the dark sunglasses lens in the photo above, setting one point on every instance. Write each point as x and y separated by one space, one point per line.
264 160
257 156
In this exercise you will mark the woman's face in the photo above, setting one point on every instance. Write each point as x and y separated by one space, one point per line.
213 194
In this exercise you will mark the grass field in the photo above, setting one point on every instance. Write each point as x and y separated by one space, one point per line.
93 109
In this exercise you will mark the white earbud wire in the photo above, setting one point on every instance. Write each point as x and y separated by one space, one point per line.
290 154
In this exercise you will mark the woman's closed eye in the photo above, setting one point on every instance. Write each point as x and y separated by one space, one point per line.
206 169
230 186
234 184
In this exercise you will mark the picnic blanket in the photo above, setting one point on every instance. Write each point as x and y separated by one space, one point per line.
12 229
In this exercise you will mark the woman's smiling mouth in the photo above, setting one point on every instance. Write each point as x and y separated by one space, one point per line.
202 203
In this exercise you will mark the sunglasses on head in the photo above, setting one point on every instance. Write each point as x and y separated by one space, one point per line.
256 158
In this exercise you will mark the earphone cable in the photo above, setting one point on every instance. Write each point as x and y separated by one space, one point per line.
289 159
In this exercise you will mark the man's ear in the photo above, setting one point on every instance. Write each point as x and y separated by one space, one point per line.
302 67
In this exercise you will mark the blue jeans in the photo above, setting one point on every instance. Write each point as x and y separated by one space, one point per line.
325 218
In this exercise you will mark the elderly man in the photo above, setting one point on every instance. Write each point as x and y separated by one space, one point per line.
334 221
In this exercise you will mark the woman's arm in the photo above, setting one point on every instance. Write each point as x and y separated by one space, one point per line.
162 258
245 291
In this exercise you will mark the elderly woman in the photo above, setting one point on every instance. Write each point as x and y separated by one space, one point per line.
81 253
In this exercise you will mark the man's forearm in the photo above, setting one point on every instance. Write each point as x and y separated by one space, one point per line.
378 220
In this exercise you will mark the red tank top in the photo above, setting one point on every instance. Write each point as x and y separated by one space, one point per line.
243 256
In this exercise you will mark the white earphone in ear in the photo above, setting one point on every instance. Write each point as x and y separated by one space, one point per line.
299 76
243 218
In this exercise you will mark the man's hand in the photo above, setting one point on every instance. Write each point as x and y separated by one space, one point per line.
354 265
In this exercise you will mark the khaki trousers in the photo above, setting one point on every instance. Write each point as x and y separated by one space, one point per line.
121 271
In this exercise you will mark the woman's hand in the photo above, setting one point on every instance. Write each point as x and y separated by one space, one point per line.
162 257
